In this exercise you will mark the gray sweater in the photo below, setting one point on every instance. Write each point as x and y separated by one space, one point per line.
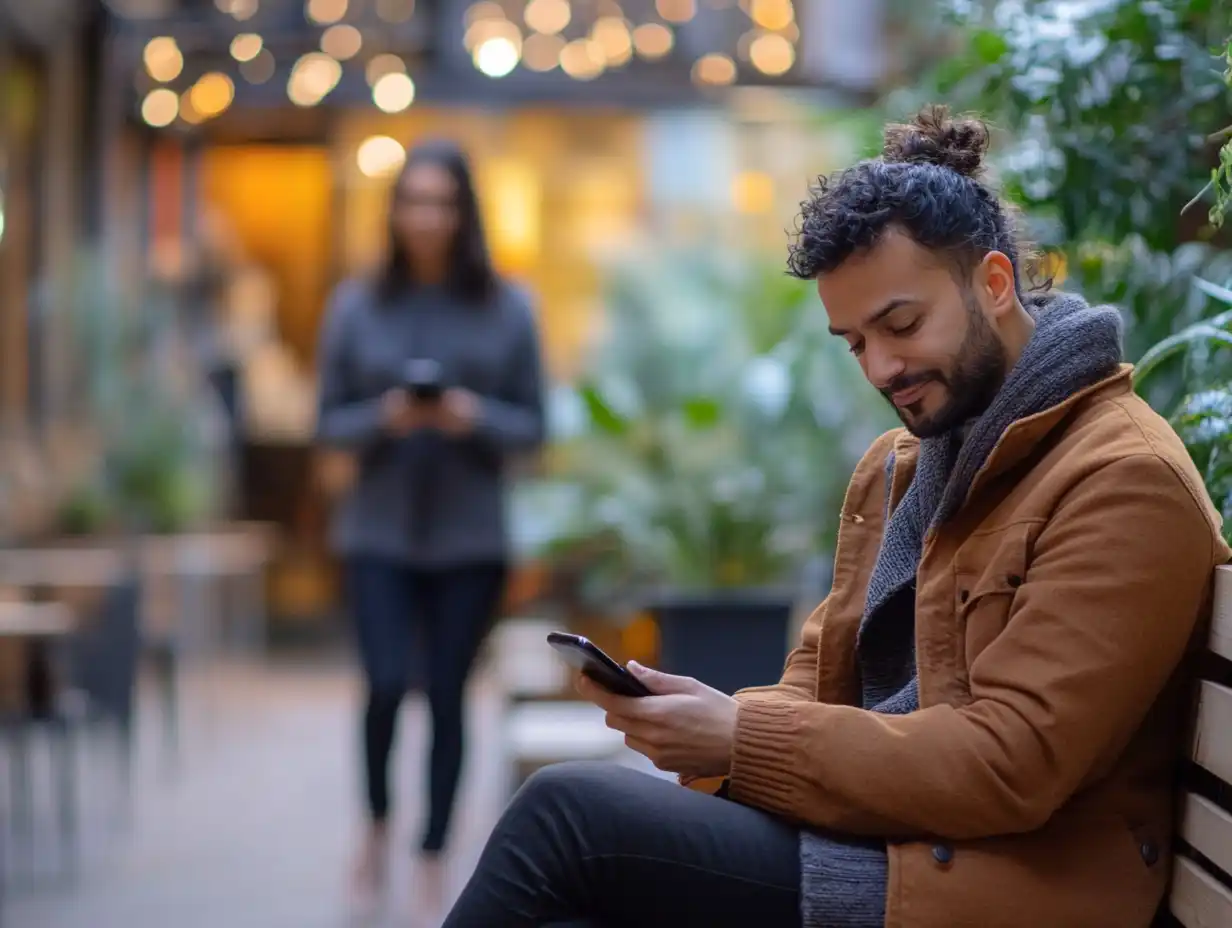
428 500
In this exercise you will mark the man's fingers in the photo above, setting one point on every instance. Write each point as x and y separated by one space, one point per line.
659 682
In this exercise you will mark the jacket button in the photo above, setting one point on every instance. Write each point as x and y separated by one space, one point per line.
1150 853
1014 580
943 853
964 596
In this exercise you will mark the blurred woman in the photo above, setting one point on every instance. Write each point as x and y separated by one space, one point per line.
430 376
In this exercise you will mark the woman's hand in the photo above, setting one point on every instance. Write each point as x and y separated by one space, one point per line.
400 414
458 412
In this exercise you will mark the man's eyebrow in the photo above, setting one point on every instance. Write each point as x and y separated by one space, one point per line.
877 316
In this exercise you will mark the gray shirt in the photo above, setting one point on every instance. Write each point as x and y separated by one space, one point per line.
428 499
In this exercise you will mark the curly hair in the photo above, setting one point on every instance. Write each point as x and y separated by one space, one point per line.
927 182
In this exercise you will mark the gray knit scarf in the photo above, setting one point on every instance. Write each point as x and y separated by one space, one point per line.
1074 346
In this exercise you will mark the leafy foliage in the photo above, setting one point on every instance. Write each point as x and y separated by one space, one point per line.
158 441
711 440
1111 104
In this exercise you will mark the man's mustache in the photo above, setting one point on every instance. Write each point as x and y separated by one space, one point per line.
907 381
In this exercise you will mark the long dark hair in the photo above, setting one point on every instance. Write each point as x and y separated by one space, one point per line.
471 277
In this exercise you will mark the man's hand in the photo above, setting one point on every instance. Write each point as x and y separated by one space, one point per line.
685 728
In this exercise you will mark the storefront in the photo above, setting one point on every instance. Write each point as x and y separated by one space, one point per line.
273 139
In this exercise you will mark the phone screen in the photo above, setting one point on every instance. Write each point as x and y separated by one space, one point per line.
586 656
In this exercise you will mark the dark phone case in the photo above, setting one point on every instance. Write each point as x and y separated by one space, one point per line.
587 657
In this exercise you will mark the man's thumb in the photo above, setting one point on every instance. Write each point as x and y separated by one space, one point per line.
658 682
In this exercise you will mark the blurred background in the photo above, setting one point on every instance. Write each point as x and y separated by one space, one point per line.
183 183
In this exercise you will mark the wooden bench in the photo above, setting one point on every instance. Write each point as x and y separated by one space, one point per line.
1202 874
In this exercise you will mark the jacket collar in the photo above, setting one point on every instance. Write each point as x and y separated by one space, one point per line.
1015 443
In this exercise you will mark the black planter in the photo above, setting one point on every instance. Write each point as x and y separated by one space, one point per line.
727 639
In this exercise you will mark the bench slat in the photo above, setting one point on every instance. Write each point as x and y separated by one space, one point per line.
1221 617
1212 744
1198 900
1208 830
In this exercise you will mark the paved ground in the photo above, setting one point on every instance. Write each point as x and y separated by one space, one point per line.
257 827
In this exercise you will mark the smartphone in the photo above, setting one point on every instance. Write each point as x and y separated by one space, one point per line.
422 379
587 657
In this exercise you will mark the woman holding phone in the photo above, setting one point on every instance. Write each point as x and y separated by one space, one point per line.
430 376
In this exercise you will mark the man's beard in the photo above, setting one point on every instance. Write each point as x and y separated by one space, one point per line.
977 374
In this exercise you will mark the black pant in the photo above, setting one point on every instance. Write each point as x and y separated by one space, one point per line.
604 845
444 614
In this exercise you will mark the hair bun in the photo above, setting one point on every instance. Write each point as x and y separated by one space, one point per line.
933 137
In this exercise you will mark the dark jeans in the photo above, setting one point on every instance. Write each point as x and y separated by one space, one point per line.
604 845
446 613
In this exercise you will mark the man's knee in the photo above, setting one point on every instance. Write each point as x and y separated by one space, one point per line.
588 784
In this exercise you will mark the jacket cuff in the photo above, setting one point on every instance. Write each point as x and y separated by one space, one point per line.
763 770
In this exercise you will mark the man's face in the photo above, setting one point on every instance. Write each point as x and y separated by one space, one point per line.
927 343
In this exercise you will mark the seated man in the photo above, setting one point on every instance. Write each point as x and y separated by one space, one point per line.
982 722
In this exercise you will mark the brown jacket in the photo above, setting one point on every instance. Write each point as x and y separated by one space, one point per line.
1035 786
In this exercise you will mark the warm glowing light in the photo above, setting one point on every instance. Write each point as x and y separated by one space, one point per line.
381 65
160 107
582 60
714 69
246 46
380 156
611 34
753 192
542 52
512 198
497 56
163 59
653 40
313 76
238 9
547 16
342 42
484 30
676 11
484 9
772 54
395 11
212 94
772 14
393 92
188 112
324 12
260 69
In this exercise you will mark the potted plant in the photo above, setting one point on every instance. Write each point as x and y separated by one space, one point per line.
146 434
704 456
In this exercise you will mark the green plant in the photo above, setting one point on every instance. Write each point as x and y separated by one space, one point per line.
1221 175
1203 418
156 462
710 441
1109 104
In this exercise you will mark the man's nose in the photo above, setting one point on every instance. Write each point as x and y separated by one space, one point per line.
881 367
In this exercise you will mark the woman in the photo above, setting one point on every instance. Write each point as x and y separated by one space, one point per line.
422 531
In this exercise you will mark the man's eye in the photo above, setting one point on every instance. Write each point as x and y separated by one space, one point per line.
857 349
906 329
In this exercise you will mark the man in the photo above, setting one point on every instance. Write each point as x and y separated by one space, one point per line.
982 722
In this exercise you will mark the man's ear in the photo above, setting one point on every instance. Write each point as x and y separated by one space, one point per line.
995 283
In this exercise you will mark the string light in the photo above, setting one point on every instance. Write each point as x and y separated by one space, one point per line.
393 92
163 59
160 107
246 46
716 69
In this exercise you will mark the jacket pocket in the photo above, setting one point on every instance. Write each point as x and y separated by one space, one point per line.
988 571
